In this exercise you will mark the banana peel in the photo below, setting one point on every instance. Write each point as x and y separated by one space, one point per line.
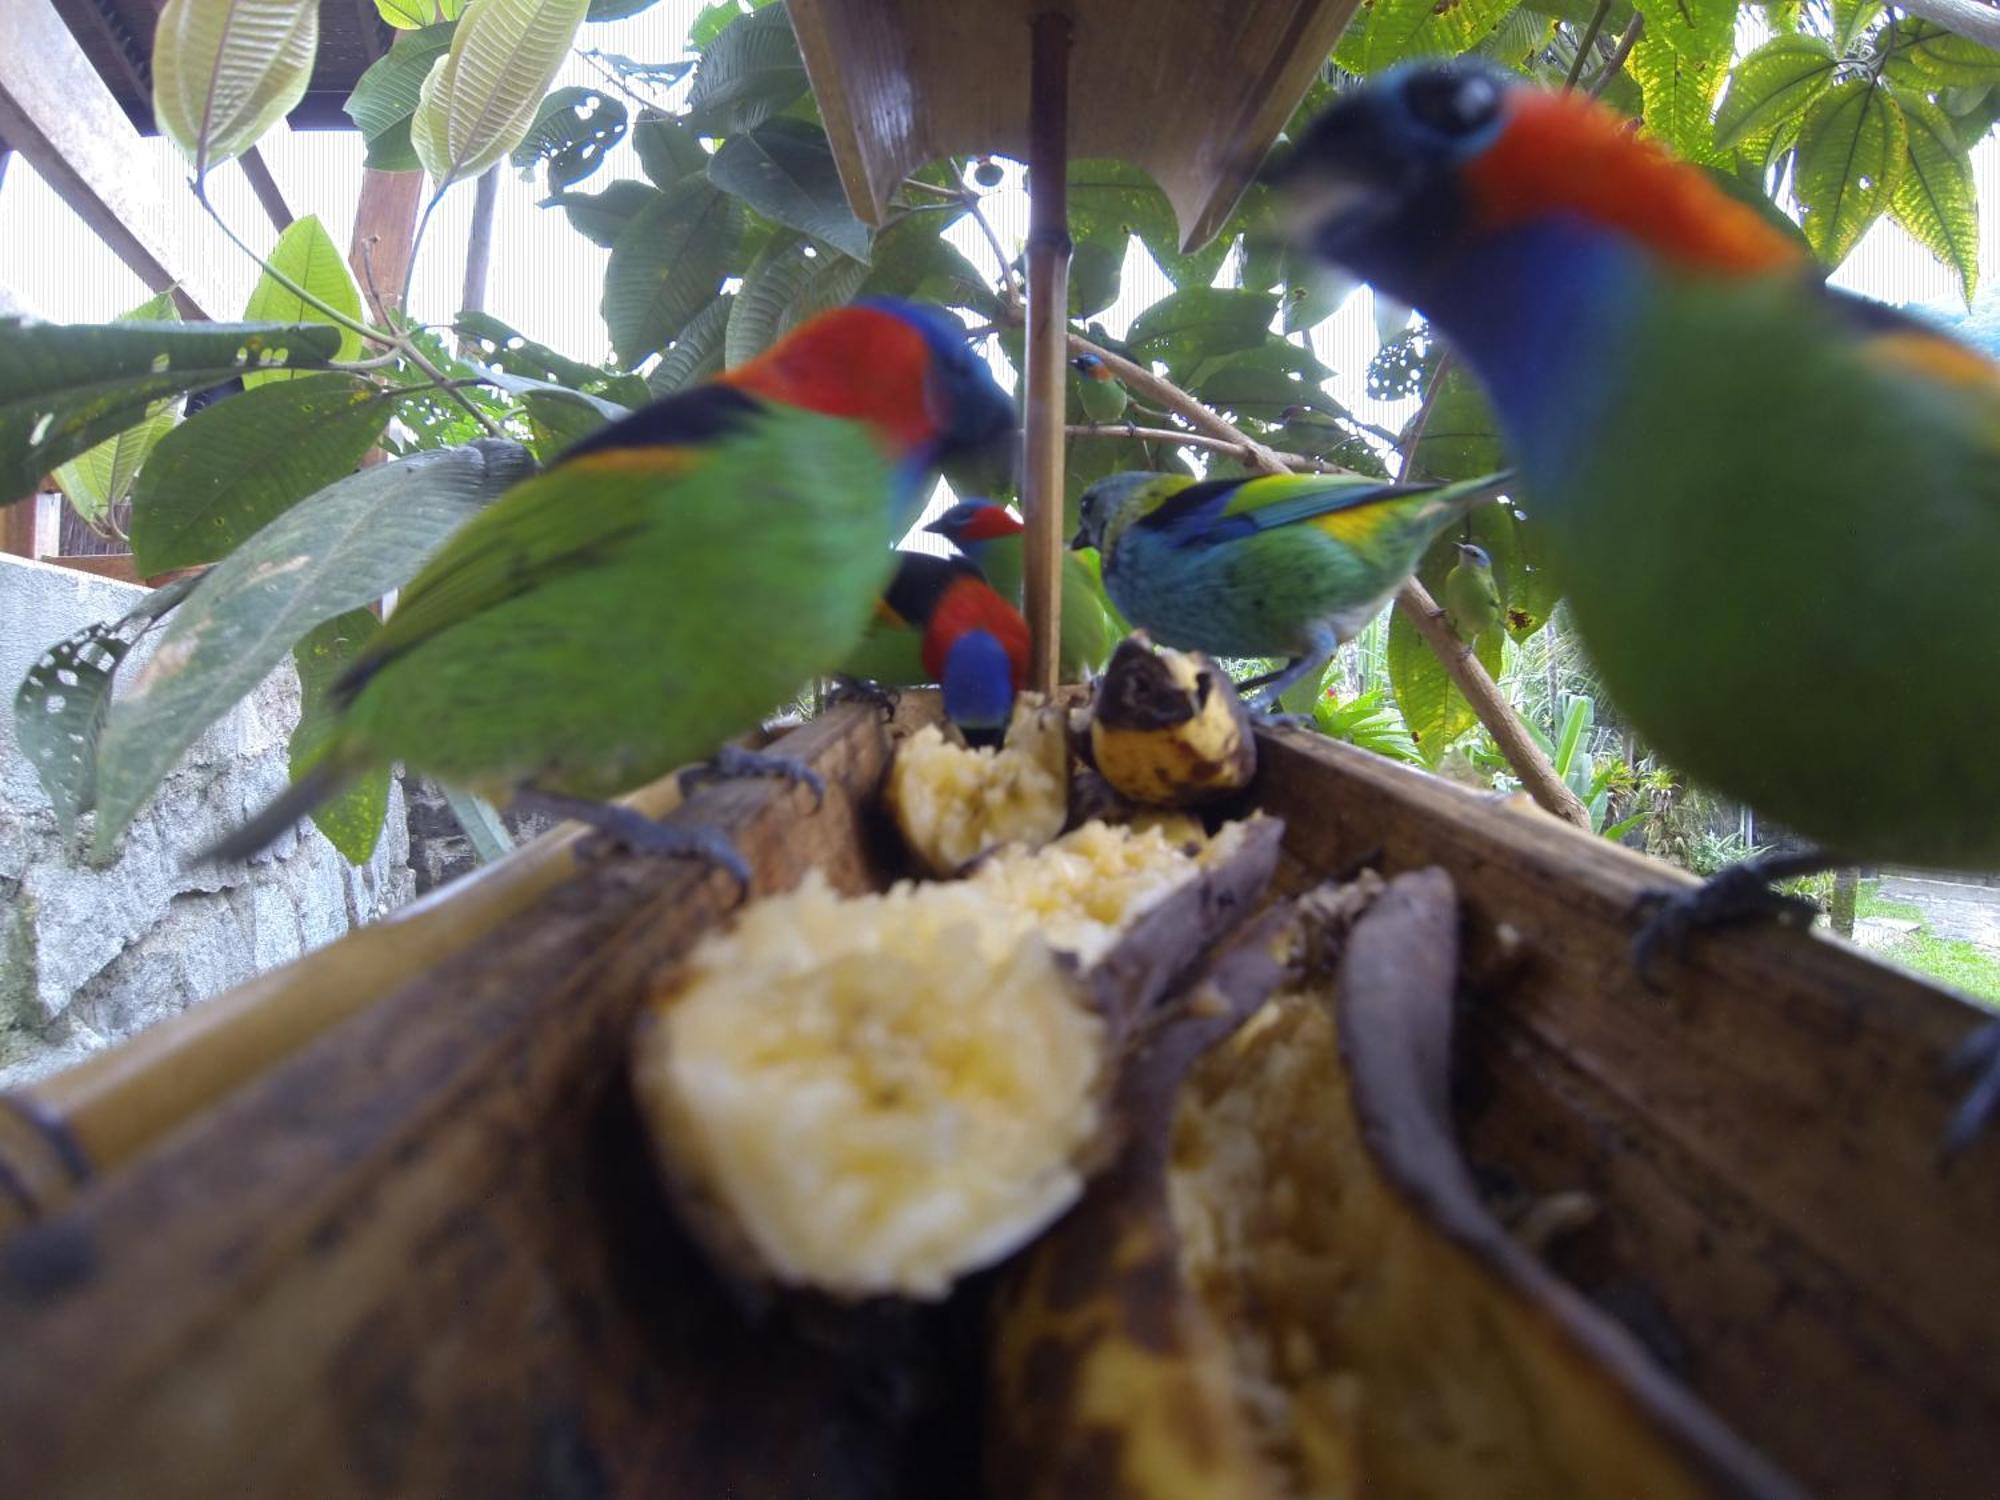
1287 1287
1167 728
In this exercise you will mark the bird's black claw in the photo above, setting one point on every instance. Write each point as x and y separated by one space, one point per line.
1979 1055
1271 714
635 833
1737 895
860 690
733 761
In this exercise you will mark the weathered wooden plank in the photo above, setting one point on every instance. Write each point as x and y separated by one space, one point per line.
1761 1137
56 111
385 218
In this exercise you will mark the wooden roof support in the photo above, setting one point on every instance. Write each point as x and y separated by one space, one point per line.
265 186
385 219
58 114
1047 339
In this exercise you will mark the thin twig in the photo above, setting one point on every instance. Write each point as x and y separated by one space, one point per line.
1296 463
1626 42
338 317
1587 41
1009 291
1139 380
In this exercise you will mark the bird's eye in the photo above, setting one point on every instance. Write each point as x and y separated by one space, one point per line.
1451 103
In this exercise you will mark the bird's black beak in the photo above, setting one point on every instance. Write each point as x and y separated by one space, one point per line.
1080 541
936 526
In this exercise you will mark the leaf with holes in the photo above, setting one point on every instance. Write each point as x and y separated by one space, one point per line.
479 99
1435 711
1780 80
1853 151
505 348
350 544
781 290
414 15
231 467
697 353
385 96
1937 200
101 477
1678 90
223 74
1200 323
784 170
750 72
64 388
573 129
668 150
1425 28
306 256
60 705
668 265
352 819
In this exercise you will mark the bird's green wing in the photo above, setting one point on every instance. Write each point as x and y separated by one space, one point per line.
1348 507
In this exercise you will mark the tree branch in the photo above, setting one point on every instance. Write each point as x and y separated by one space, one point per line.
1291 463
1138 380
1626 42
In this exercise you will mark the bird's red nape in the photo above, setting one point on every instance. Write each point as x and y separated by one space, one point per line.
856 362
1567 153
970 605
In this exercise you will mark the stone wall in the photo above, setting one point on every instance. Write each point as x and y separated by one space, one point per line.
91 955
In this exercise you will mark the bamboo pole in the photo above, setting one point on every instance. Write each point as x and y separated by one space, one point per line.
1047 334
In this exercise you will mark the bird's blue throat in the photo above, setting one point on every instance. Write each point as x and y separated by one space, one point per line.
978 682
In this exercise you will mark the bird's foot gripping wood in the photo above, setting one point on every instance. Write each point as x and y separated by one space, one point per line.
1739 894
733 761
1979 1055
861 690
621 827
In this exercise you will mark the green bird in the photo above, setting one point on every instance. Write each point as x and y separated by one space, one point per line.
1289 565
665 584
1774 507
989 536
1471 596
1103 396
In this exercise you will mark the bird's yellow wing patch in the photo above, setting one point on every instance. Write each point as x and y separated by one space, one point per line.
1358 526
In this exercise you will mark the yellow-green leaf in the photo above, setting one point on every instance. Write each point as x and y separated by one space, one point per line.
1938 201
226 71
1420 28
480 98
307 257
1679 93
1701 31
100 477
1852 154
353 819
1433 708
412 15
1779 80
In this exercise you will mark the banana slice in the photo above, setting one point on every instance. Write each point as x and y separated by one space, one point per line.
952 803
1168 729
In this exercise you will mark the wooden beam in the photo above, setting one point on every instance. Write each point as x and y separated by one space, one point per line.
1047 340
56 111
265 186
385 219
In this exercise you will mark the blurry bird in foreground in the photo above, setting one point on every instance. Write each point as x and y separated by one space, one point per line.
665 583
1289 565
990 535
1768 502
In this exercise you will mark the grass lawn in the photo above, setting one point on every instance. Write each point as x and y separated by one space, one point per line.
1963 966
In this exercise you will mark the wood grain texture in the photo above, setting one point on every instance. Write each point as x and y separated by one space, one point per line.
1195 93
1045 381
1760 1137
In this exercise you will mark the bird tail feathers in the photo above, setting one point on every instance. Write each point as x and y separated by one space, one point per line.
326 778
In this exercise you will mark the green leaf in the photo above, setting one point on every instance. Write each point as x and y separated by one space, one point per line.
352 819
1679 94
1435 711
1519 39
558 415
306 255
711 21
1094 273
1398 29
99 478
668 150
231 467
1462 438
1702 31
350 544
66 387
573 129
1851 156
505 348
750 72
783 288
479 99
697 353
617 10
414 15
223 74
1851 20
386 96
1109 201
1777 81
913 259
602 217
1263 383
60 705
668 265
1945 57
1198 323
784 169
1937 200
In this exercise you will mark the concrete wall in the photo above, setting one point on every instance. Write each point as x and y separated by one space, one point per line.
91 955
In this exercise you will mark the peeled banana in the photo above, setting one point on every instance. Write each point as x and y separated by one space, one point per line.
1167 728
952 803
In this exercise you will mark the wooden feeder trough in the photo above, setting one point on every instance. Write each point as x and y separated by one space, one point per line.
384 1223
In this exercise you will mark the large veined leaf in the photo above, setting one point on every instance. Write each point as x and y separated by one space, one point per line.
506 348
1200 323
668 265
1678 90
784 169
1095 270
1780 79
1433 708
1263 383
223 74
573 129
559 415
100 477
64 388
749 73
228 469
602 217
386 96
1701 31
913 259
306 256
479 99
1109 201
60 705
350 544
414 15
1461 440
1852 18
351 819
1944 57
1421 28
1937 200
697 353
785 286
667 149
1853 150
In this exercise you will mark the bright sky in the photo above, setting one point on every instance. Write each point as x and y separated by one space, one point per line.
546 279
